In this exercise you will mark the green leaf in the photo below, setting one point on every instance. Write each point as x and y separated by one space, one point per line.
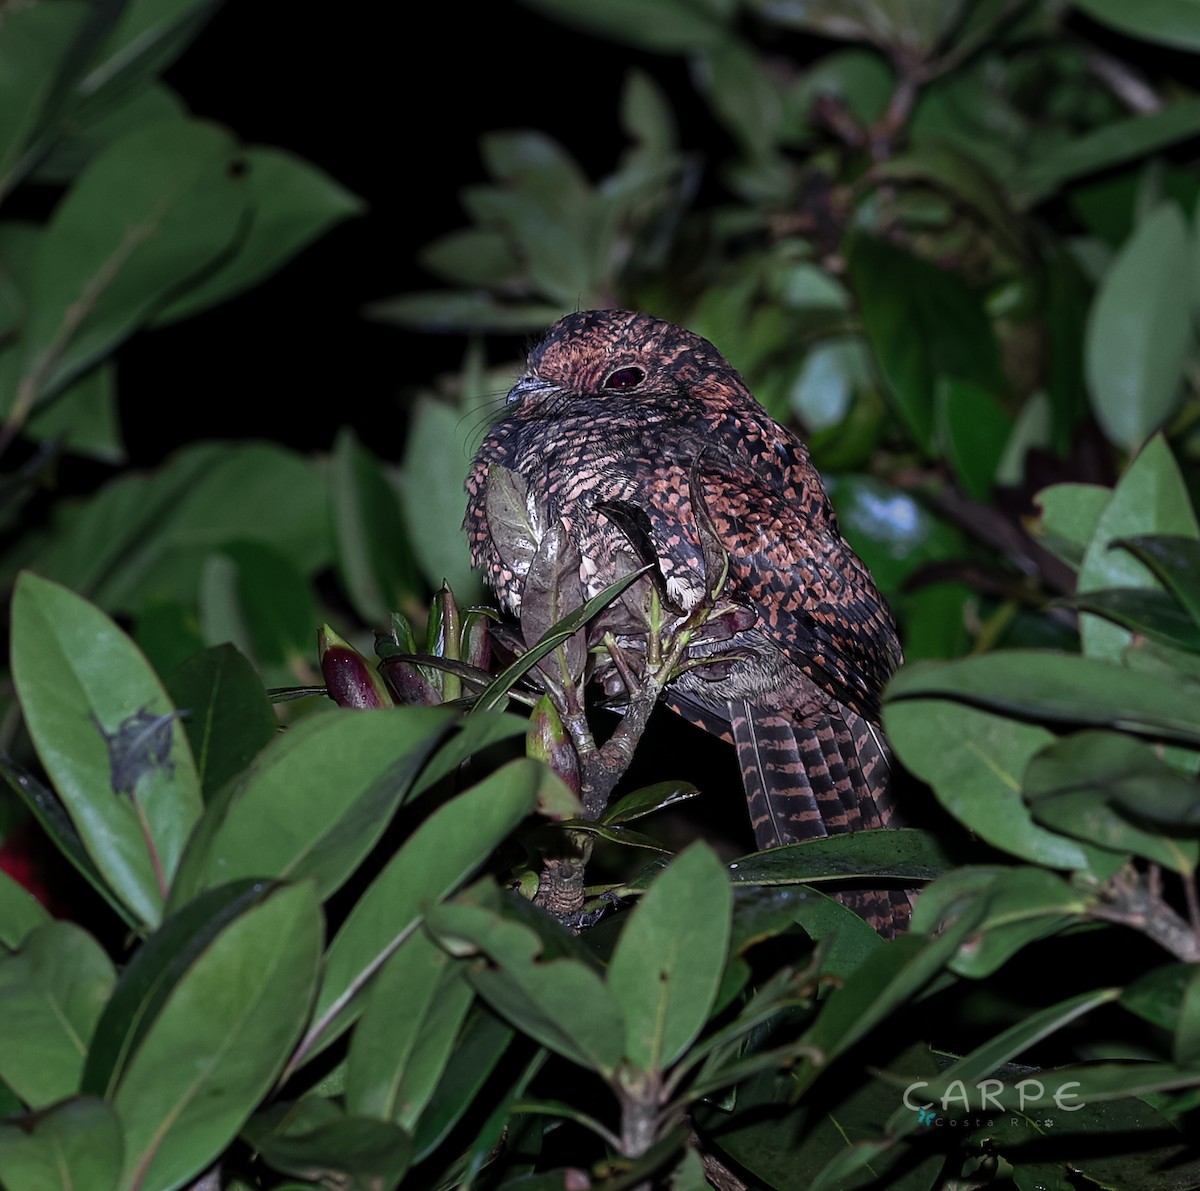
1111 145
1167 22
1151 614
902 854
146 38
219 1039
403 1041
1019 906
552 233
373 551
150 212
561 1002
33 43
662 25
90 129
436 462
93 707
73 1145
1175 561
474 256
143 540
742 94
151 975
974 760
484 1041
1090 784
1157 995
83 417
52 817
974 429
647 800
255 597
318 798
438 857
862 79
1059 687
940 165
1070 514
20 913
923 324
1139 331
668 962
1150 498
291 203
348 1151
825 920
51 993
227 715
890 976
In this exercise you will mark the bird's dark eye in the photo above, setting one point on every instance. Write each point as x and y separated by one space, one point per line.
624 378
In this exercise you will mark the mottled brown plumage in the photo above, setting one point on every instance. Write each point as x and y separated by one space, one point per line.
616 421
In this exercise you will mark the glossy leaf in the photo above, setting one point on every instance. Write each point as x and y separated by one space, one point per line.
73 1145
887 978
903 854
1093 786
1017 906
47 808
1058 687
1175 561
974 429
219 1039
483 1043
320 796
20 912
1070 514
668 962
1157 995
1152 614
151 211
647 800
1139 331
373 551
347 1151
51 993
151 975
226 713
95 711
83 417
146 539
435 468
1168 22
1150 498
438 857
561 1002
254 596
290 203
923 324
974 759
402 1042
1110 145
33 46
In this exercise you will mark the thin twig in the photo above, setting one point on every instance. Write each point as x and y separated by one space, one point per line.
1133 903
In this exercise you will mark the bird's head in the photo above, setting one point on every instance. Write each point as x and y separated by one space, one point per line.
603 356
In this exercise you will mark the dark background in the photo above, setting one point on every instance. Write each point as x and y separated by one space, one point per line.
389 100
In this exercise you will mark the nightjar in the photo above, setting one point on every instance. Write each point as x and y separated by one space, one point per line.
616 421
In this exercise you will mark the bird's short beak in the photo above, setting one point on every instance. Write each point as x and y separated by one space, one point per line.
528 386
